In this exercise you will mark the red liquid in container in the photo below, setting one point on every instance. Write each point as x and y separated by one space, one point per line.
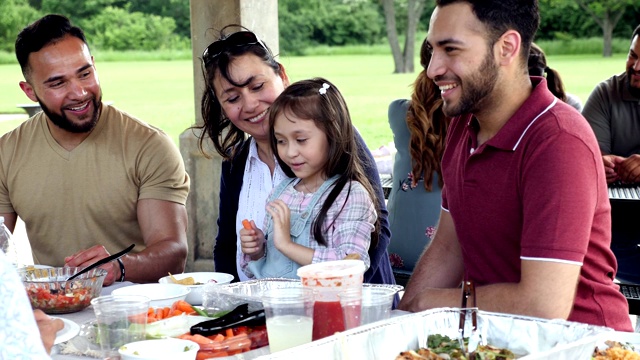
327 319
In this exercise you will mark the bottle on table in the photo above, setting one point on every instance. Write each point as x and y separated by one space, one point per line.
8 245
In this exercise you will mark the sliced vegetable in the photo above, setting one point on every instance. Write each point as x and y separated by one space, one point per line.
171 327
199 311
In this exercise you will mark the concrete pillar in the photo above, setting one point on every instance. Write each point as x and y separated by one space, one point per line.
207 18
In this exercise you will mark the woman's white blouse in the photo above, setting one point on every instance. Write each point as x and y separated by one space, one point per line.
257 184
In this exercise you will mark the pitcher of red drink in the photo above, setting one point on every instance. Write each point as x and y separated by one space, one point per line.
328 280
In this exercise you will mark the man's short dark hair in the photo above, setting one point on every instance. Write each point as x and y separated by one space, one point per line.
502 15
636 32
47 30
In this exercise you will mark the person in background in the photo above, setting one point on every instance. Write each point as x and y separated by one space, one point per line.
522 220
419 129
613 112
325 210
88 179
25 333
538 67
243 79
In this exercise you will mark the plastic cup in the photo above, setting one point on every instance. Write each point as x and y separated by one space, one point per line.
327 280
289 313
121 319
376 304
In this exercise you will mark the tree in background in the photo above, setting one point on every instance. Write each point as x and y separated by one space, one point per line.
307 23
606 14
117 29
178 10
14 16
75 10
126 24
403 59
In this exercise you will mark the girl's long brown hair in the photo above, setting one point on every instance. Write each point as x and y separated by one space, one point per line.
427 125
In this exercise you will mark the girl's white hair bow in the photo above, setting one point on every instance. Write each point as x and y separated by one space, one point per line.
323 89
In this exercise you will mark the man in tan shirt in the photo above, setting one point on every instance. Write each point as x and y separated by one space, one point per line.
88 179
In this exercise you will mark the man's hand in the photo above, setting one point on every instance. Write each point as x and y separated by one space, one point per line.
611 164
629 169
48 328
89 256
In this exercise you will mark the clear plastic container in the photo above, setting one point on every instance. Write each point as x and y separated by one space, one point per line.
328 280
374 304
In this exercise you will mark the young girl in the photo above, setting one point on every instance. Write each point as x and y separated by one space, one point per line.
326 210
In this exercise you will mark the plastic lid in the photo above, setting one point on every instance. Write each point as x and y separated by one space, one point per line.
332 269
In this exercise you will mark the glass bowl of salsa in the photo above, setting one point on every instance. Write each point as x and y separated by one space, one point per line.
49 290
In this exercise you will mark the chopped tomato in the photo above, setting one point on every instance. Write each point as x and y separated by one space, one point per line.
73 299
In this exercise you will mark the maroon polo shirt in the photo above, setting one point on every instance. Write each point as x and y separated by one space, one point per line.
535 191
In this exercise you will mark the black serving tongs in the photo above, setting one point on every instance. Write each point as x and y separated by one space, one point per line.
468 292
240 316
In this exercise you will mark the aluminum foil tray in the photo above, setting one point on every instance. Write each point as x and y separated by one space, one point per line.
529 338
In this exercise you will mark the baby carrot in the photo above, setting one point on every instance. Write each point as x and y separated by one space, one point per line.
246 224
184 307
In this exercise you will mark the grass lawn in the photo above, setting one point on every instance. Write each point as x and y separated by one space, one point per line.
161 92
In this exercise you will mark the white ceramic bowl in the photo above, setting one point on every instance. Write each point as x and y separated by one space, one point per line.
195 296
161 295
170 348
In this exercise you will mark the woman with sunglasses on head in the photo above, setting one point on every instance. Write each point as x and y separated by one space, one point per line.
242 80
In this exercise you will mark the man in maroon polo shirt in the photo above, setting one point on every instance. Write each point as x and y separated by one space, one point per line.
525 211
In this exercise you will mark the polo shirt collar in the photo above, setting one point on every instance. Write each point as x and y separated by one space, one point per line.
539 102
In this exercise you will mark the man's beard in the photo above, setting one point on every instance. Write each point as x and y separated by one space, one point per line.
63 122
632 89
476 89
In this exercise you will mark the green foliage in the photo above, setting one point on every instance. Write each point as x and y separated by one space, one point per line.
591 46
566 16
178 10
328 22
118 29
14 15
77 10
119 24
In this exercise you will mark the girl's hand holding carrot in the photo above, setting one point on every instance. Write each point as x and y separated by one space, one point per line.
251 240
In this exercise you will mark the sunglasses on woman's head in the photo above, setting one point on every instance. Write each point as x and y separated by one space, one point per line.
239 38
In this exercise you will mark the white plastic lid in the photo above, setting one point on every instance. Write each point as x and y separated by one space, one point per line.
332 269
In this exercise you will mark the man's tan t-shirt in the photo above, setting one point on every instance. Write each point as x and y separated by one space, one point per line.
72 200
